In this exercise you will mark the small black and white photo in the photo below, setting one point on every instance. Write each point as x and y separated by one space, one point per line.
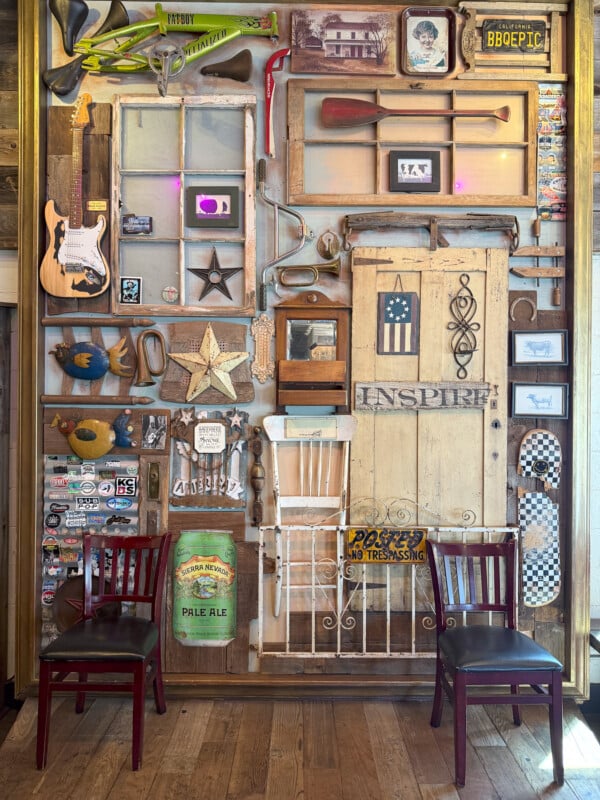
154 431
414 171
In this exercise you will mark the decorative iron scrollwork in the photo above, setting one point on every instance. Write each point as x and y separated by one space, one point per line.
463 308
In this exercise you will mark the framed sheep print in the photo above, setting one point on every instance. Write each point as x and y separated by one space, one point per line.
540 400
413 171
540 348
428 41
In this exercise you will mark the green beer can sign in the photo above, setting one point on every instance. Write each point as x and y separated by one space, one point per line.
205 588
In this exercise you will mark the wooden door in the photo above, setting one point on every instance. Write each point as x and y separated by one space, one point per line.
430 448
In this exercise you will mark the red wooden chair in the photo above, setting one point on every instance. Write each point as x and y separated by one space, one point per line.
481 578
131 569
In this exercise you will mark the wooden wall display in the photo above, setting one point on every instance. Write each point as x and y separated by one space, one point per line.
9 134
505 41
501 118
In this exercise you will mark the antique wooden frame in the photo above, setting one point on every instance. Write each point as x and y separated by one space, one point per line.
180 241
314 151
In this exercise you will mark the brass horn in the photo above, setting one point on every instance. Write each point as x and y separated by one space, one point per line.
238 67
144 370
311 273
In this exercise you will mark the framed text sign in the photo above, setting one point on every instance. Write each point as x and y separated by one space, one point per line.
387 545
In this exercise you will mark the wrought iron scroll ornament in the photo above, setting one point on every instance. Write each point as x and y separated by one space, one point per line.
463 308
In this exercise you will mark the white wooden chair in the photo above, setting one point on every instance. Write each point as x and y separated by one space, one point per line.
310 462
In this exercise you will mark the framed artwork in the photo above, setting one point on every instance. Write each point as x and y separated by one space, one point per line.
130 291
414 171
428 41
540 400
539 348
344 42
212 206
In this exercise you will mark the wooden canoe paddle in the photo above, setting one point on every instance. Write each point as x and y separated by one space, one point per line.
348 112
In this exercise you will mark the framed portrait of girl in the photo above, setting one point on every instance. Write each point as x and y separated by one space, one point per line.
428 41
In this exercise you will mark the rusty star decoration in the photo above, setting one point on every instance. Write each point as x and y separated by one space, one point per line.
209 367
215 277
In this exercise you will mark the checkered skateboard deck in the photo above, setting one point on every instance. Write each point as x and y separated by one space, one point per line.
540 456
540 549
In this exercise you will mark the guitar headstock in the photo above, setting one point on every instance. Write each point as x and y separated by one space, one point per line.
80 117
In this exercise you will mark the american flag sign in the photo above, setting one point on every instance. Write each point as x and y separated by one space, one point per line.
398 323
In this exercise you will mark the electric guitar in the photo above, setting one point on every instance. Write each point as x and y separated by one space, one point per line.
74 265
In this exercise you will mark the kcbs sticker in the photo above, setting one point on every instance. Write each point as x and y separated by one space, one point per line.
119 503
126 487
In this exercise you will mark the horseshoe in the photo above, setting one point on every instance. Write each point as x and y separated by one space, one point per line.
516 302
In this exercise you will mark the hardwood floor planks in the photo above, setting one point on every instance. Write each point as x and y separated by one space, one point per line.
293 750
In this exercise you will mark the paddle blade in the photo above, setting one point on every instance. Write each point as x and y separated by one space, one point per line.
348 112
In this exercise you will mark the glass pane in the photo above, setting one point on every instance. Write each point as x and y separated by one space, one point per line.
490 171
311 339
339 170
479 129
155 263
214 138
157 196
150 138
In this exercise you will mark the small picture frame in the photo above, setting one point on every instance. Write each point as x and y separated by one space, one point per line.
539 348
428 41
414 171
130 291
539 400
212 206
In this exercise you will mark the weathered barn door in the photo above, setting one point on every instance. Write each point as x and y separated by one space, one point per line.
429 374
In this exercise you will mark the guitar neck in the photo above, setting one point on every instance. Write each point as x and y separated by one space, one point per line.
75 205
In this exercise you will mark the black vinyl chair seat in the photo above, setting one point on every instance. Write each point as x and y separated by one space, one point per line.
122 639
483 648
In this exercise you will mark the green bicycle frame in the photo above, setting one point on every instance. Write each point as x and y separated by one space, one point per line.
216 29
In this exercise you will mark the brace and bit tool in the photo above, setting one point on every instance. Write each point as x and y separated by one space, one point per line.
167 61
304 233
434 223
274 64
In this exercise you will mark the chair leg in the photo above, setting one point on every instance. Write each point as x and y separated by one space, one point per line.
43 720
139 694
555 711
80 697
514 689
460 729
438 697
159 691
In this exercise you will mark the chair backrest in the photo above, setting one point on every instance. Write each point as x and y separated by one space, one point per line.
310 466
130 569
473 577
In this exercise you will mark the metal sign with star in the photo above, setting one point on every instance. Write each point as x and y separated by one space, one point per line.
207 365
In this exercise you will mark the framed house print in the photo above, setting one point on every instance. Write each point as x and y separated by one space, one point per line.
428 41
344 42
540 400
540 348
414 171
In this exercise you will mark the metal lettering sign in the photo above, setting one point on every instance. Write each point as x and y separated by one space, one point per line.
509 36
386 545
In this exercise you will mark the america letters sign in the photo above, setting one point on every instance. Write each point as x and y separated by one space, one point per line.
387 545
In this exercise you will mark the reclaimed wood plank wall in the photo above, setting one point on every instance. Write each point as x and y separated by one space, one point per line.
9 114
596 126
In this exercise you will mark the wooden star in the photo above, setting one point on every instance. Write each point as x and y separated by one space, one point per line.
215 277
209 367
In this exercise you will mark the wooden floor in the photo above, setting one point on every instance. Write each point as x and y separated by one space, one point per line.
293 750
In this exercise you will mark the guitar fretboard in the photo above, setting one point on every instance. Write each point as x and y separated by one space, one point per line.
75 207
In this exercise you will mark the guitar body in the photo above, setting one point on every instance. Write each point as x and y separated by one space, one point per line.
74 265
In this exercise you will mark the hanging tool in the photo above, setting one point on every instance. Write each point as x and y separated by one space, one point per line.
556 293
304 233
274 64
536 229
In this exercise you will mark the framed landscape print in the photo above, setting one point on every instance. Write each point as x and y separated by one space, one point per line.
344 42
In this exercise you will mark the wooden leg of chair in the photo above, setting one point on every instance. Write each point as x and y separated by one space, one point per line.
555 710
159 691
139 693
43 720
80 698
438 697
514 689
460 730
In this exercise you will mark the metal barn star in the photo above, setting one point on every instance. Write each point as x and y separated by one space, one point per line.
209 367
215 277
